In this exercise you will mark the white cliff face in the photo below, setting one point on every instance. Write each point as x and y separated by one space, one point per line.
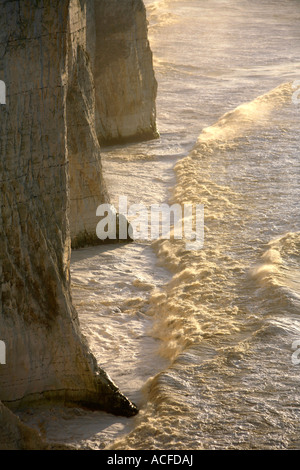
34 183
125 84
51 180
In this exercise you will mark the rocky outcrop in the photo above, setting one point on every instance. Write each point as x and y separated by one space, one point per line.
122 65
51 183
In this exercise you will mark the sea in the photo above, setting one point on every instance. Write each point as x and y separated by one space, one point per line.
204 341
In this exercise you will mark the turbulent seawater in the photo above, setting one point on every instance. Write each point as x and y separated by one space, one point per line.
203 340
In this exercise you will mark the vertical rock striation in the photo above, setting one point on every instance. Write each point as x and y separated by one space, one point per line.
51 183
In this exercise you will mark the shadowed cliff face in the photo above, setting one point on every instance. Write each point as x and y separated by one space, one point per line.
51 177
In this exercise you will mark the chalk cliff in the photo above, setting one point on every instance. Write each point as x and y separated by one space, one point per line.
51 184
122 68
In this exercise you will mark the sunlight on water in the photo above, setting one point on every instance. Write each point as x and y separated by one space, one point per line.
227 319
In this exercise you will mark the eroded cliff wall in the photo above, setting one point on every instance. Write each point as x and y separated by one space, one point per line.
50 175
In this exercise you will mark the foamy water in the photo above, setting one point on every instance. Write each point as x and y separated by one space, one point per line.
202 340
228 317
